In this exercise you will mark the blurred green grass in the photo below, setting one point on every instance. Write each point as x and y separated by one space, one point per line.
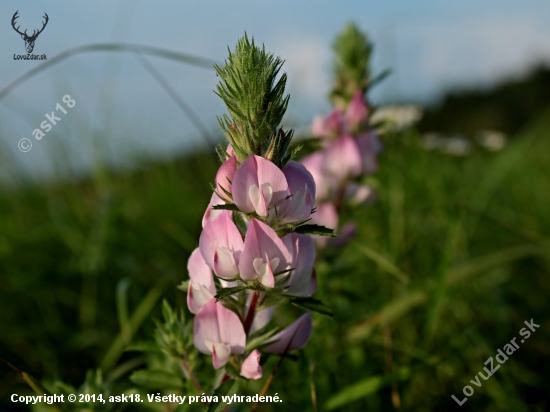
447 265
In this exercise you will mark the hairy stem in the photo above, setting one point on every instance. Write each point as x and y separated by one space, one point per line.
191 376
251 311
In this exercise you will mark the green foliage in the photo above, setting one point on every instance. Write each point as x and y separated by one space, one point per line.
448 264
160 380
254 94
316 230
228 388
174 336
226 292
313 305
352 51
445 268
226 206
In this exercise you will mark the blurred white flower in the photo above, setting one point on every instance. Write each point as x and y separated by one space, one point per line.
456 146
451 145
396 118
432 141
491 140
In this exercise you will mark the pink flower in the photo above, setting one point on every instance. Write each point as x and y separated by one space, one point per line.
302 280
258 185
221 246
325 215
293 337
201 287
251 367
346 233
264 254
342 158
357 111
212 214
369 146
331 125
218 332
358 194
224 177
314 165
301 187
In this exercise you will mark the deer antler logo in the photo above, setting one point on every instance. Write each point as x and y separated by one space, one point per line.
29 40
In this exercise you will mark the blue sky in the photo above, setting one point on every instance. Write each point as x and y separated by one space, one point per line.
431 45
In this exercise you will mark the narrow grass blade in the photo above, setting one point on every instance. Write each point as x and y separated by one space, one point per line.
137 319
365 388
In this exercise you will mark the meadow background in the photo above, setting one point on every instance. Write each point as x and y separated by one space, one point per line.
98 219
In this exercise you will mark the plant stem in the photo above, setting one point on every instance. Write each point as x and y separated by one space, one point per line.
396 400
268 382
250 315
189 373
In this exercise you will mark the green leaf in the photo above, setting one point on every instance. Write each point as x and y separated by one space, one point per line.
240 223
226 206
136 320
382 262
147 346
272 299
34 384
184 286
257 340
379 77
317 230
365 388
157 379
225 292
228 388
313 305
122 309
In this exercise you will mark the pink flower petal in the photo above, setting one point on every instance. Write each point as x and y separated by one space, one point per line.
264 254
342 158
261 318
369 146
251 367
325 215
293 337
199 271
231 330
357 111
258 185
197 297
216 329
314 164
301 186
221 352
346 233
221 246
224 177
357 194
201 287
212 214
302 280
329 126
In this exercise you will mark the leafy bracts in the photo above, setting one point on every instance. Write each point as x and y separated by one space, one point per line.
254 95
